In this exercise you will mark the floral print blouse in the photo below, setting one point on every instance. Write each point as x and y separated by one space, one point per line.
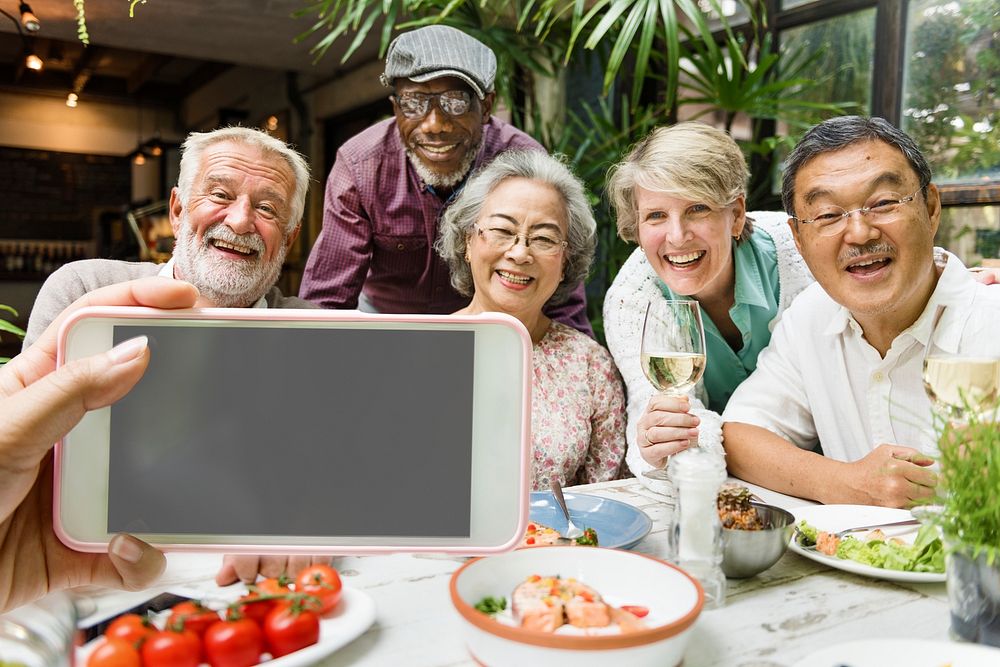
577 411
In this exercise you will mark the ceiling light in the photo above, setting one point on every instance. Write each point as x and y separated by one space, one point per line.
272 123
28 18
33 62
139 159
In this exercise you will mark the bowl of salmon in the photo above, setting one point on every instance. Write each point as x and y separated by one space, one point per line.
563 605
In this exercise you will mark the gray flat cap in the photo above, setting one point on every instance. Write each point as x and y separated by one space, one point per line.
439 50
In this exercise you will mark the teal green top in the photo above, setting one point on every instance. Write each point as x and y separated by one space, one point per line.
756 305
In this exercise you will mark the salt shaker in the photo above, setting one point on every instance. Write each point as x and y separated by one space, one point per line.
696 538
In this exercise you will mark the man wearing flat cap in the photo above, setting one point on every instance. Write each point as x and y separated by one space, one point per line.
390 183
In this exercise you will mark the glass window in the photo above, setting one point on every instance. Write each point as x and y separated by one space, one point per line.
846 52
951 105
788 4
971 232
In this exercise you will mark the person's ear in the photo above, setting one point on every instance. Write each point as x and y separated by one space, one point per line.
933 204
294 235
176 208
487 104
793 224
739 216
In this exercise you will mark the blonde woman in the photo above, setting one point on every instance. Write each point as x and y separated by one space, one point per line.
680 194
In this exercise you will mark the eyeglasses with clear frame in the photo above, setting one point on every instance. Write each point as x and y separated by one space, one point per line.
883 208
503 239
416 105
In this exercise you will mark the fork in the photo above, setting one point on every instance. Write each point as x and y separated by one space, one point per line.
840 534
572 532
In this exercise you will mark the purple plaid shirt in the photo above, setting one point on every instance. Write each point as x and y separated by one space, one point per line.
380 224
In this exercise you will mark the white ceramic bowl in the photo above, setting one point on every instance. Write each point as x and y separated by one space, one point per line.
673 598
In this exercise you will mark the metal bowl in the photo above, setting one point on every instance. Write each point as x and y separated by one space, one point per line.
746 553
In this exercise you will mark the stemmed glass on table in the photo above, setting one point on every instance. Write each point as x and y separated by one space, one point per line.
959 384
672 352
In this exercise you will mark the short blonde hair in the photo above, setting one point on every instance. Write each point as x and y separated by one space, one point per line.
690 160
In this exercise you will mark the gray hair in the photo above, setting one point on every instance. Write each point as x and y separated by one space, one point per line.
690 160
196 143
464 211
840 132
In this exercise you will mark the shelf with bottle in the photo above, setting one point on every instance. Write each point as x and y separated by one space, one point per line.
36 259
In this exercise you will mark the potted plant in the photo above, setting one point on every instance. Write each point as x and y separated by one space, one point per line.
969 518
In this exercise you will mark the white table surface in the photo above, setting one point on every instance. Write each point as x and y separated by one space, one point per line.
771 620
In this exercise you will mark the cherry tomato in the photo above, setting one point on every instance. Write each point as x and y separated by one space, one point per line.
321 581
194 617
256 611
636 610
170 648
290 628
236 643
132 628
113 652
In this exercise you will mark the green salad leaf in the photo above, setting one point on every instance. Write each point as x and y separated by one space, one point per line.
926 554
806 534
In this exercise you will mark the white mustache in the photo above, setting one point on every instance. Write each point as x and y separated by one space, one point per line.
220 232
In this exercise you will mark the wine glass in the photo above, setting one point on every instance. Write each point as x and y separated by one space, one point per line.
959 383
673 345
672 352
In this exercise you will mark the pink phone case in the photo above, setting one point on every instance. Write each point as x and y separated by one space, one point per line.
305 315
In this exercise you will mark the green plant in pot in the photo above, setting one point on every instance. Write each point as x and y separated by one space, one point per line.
969 518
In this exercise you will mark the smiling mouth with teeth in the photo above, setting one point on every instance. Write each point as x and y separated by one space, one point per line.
511 278
439 150
685 260
222 245
868 265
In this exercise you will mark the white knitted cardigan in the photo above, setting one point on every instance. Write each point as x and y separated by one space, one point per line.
624 310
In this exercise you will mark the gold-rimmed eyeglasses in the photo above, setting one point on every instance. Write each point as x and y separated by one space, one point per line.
882 208
503 238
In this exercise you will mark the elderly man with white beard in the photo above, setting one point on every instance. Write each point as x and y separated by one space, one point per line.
235 212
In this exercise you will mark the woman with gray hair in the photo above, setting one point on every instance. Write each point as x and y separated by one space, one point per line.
519 236
681 194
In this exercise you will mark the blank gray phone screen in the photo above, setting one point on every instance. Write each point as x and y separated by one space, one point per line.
314 432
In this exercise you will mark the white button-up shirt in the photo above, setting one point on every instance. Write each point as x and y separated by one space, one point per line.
820 381
167 271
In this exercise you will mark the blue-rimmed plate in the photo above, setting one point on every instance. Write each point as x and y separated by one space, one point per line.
618 524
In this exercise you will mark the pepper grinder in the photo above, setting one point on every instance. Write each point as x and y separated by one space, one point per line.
695 542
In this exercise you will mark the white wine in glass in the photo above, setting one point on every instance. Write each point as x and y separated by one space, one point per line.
673 345
963 382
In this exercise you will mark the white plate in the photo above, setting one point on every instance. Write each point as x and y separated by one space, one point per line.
833 518
909 652
353 615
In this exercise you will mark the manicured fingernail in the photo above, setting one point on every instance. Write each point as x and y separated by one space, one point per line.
128 350
125 548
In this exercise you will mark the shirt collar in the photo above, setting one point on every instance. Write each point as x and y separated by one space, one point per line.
749 289
167 271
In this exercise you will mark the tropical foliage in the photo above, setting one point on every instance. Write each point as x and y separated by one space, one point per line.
9 327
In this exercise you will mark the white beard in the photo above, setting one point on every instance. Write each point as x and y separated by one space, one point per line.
436 180
224 282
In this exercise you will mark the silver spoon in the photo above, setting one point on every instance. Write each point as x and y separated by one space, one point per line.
572 532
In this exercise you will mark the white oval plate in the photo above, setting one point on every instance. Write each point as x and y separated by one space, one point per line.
833 518
909 652
353 615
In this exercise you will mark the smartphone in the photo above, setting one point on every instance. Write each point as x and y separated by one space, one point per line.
302 431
